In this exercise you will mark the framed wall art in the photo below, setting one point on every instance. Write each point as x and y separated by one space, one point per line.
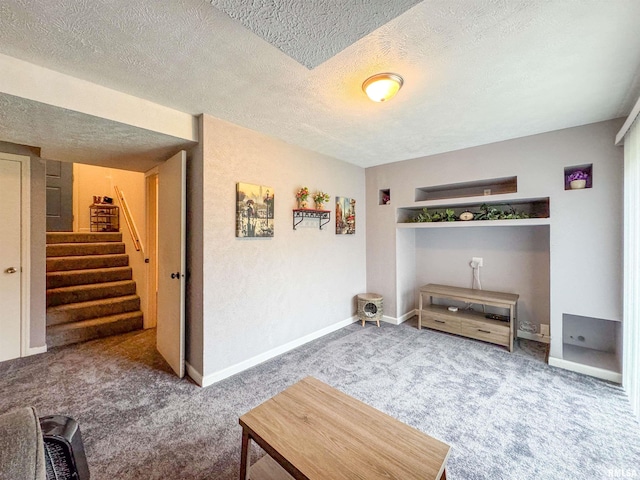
254 210
345 216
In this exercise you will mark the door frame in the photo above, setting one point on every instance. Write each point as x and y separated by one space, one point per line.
25 251
151 215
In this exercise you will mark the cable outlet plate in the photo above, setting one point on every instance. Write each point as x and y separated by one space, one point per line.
477 261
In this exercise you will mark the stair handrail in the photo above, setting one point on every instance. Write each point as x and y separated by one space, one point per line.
131 224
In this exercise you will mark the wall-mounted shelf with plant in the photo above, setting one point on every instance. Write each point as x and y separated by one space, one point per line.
384 196
578 177
301 197
320 198
518 210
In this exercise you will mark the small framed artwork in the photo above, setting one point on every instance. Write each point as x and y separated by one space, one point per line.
254 210
345 216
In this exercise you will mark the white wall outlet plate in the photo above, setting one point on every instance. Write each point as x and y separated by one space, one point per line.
477 261
544 329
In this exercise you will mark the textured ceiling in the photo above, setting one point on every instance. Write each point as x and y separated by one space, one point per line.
312 31
76 137
476 71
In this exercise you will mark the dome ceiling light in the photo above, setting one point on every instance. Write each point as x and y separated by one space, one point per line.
382 86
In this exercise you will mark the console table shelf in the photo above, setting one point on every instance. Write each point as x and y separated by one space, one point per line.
299 214
468 323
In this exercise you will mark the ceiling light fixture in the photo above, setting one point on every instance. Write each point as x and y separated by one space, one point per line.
382 86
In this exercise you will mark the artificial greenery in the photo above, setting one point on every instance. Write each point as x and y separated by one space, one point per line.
447 215
487 212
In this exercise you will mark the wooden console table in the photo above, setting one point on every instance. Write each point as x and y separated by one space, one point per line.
313 431
469 323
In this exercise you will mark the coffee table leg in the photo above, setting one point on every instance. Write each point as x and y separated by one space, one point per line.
444 475
244 457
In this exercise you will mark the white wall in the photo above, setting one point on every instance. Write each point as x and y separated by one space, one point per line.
265 295
89 180
585 226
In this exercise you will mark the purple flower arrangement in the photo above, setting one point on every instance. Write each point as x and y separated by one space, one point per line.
578 175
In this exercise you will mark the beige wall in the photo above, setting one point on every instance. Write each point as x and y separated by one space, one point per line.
89 180
265 295
585 232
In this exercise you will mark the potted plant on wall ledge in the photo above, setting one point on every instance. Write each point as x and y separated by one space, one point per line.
301 197
320 198
578 179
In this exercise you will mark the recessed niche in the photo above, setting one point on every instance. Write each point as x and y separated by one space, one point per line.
532 207
491 186
384 196
594 342
571 173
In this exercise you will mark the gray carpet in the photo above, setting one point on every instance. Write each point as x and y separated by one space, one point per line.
506 416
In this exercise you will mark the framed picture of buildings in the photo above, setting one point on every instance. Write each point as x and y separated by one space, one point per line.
345 216
254 210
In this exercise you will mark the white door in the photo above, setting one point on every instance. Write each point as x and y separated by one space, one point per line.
10 265
171 260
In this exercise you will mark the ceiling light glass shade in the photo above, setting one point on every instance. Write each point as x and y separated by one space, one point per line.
383 86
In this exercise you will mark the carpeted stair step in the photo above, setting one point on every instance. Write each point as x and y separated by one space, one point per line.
75 332
87 237
93 291
74 249
59 264
75 312
83 277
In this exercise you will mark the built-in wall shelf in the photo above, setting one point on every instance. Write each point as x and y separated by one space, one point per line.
487 187
590 357
299 214
537 209
384 196
591 346
585 169
525 222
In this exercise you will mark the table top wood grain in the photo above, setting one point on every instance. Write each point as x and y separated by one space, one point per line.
480 296
317 432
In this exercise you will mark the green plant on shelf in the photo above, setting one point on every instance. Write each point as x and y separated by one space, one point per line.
487 212
490 212
447 215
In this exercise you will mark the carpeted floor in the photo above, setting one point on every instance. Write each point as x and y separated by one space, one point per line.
506 416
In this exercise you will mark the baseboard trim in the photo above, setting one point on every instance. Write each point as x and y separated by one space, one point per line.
36 350
401 319
586 370
194 374
537 337
274 352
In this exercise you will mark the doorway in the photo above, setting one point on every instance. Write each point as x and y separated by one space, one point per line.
151 184
140 197
14 255
59 196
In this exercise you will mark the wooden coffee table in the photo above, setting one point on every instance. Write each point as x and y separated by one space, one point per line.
313 431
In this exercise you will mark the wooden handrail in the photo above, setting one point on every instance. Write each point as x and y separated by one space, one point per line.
137 243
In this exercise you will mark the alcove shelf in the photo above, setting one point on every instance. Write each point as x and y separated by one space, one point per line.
299 214
536 208
525 222
487 187
591 346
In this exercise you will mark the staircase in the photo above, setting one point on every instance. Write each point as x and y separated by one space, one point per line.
90 293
